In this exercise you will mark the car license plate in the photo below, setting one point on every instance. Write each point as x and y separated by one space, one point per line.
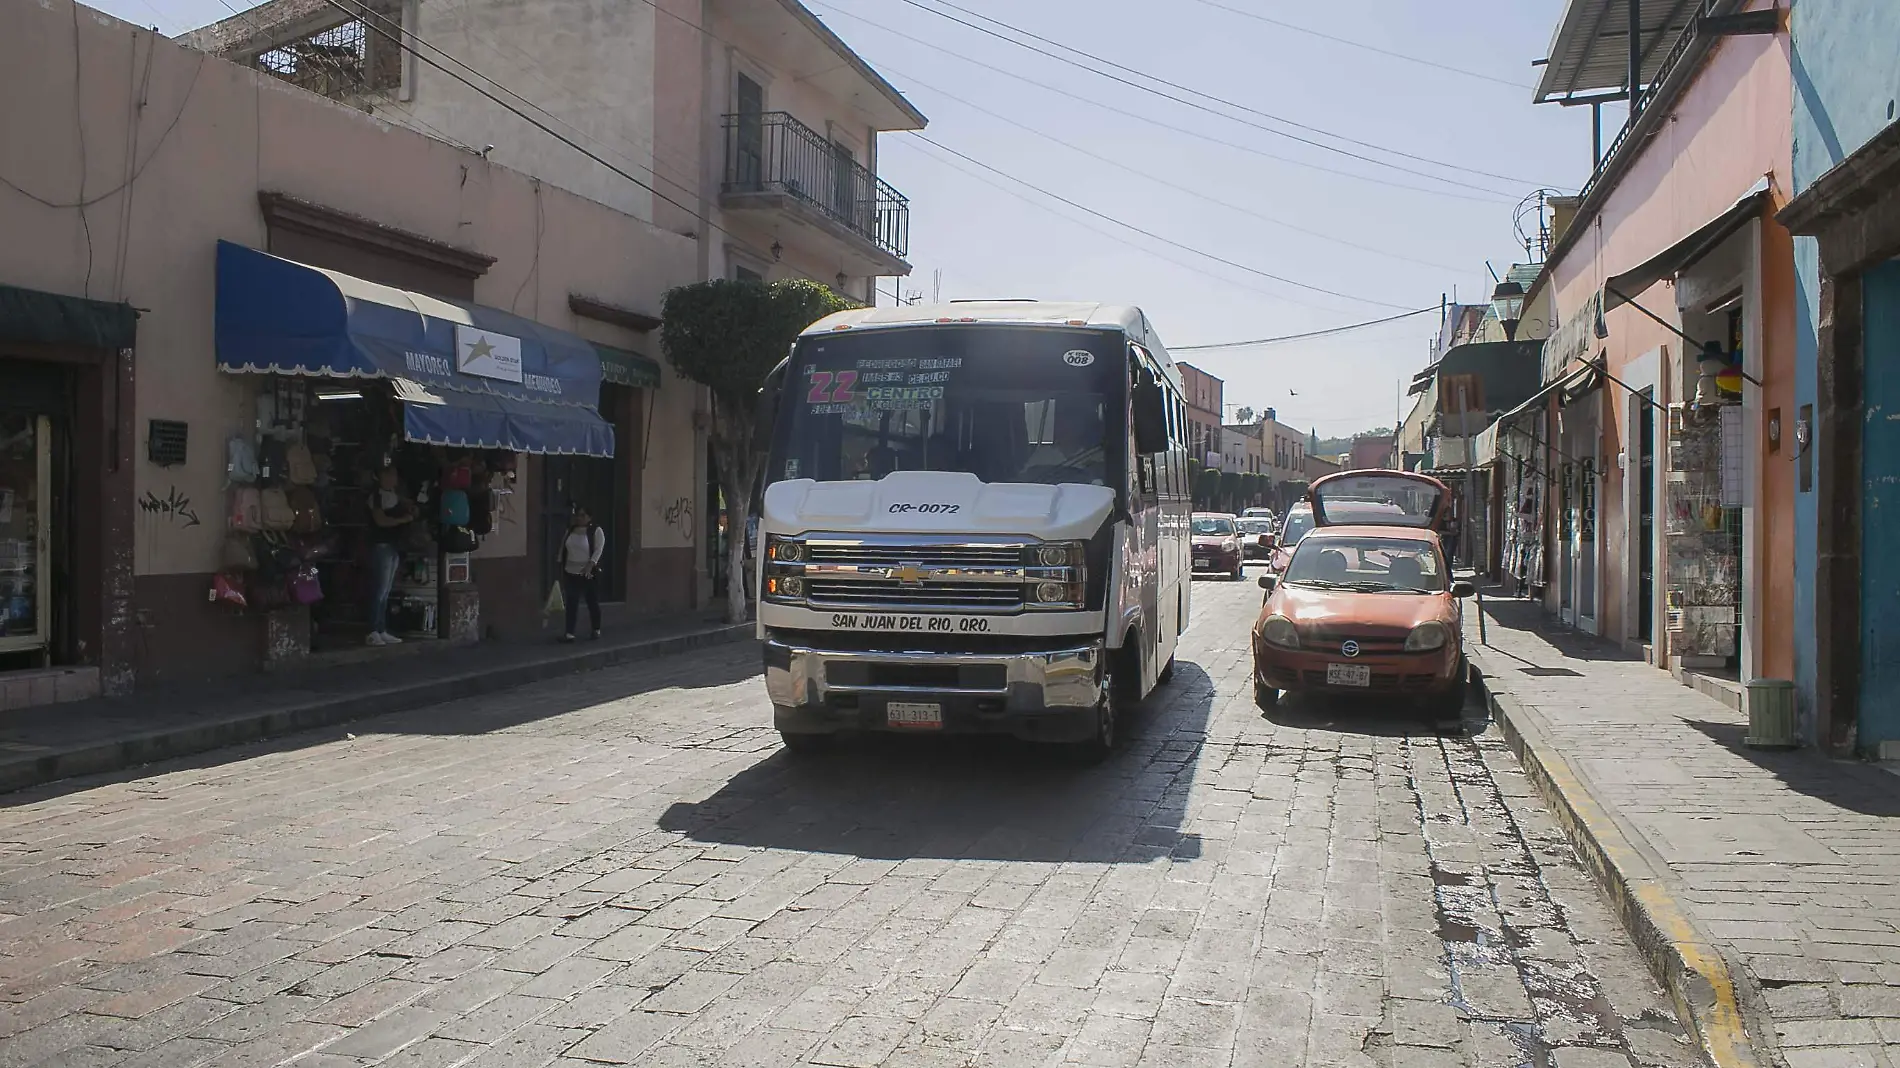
914 715
1348 674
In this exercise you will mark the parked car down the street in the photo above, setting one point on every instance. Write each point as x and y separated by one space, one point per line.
1216 545
1256 537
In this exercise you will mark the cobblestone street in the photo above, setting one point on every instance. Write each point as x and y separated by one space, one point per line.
622 867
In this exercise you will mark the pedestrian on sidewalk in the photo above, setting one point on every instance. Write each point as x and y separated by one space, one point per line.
581 552
390 513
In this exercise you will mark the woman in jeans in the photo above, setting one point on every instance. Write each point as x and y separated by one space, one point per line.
581 551
390 514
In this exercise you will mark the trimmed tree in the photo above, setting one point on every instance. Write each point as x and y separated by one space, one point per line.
727 335
1230 488
1206 489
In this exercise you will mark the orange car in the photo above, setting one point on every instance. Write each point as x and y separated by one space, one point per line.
1366 606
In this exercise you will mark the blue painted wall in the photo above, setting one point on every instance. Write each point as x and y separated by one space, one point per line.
1846 83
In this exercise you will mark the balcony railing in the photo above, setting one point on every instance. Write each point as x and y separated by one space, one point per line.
1644 97
771 152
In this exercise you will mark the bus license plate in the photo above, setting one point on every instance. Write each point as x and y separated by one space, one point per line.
912 715
1348 674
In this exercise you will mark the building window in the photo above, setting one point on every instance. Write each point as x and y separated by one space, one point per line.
746 274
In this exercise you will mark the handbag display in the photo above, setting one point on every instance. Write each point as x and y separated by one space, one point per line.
239 553
306 514
277 513
300 465
247 509
306 587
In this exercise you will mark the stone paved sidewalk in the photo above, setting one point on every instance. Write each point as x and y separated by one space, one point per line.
1787 863
54 742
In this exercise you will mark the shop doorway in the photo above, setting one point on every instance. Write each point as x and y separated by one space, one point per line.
1646 516
600 485
1879 711
36 523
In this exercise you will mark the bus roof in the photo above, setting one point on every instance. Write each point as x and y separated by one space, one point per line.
1125 317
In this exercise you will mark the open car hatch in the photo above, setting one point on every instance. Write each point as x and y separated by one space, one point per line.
1379 498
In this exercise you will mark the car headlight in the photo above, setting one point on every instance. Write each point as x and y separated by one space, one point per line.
1280 631
1426 637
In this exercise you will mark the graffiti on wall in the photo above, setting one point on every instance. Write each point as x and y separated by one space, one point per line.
174 507
677 514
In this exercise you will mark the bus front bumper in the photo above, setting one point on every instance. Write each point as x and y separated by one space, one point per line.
1045 696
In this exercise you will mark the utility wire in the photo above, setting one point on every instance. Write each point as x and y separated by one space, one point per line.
1350 43
1151 235
1060 58
1095 229
1113 162
1168 126
1301 337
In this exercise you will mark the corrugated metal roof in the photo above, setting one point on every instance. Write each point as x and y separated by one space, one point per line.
1589 53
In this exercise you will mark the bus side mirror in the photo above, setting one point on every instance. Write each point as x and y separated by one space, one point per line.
1151 416
765 407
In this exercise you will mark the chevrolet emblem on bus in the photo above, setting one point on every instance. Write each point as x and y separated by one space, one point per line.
910 574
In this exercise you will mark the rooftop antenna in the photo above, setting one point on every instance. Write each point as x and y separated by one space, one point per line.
936 286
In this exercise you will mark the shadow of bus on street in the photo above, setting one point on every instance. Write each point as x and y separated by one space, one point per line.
974 798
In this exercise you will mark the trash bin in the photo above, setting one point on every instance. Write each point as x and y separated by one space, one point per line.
1771 719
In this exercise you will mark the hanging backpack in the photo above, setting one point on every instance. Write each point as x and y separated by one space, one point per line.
247 510
457 476
273 462
306 514
299 465
458 540
481 511
240 461
239 553
454 511
278 514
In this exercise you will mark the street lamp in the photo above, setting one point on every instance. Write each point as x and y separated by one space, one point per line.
1507 303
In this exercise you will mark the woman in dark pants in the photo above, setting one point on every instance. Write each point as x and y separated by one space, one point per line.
581 551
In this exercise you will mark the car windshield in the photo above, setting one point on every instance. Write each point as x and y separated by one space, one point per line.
1004 403
1369 565
1384 498
1213 525
1298 523
1255 526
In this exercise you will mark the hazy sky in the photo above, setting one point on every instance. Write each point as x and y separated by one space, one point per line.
1242 189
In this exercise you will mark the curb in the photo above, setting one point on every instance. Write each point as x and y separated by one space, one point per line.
187 739
1682 957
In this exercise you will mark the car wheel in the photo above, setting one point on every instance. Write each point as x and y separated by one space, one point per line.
1451 703
805 745
1097 748
1265 696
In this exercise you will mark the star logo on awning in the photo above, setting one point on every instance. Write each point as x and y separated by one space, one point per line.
480 349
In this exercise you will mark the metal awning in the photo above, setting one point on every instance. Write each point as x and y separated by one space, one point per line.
1590 51
1625 287
30 315
1573 379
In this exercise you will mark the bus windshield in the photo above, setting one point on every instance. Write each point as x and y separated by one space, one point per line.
1003 403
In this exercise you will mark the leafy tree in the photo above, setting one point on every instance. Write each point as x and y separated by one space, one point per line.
1207 490
727 335
1229 487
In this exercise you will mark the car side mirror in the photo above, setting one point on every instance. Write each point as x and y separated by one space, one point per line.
1266 541
1268 582
1463 589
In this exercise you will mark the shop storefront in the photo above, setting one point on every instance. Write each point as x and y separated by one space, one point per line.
65 497
385 417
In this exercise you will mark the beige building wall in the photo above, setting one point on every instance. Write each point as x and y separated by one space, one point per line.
163 183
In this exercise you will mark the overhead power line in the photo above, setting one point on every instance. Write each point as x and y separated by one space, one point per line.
1167 126
1121 165
1061 58
1151 235
976 176
1301 337
1350 43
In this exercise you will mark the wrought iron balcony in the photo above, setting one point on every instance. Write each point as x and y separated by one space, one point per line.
773 153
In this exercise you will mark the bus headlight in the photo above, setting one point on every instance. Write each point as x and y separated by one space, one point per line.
1425 637
1052 592
1057 554
784 569
1280 631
